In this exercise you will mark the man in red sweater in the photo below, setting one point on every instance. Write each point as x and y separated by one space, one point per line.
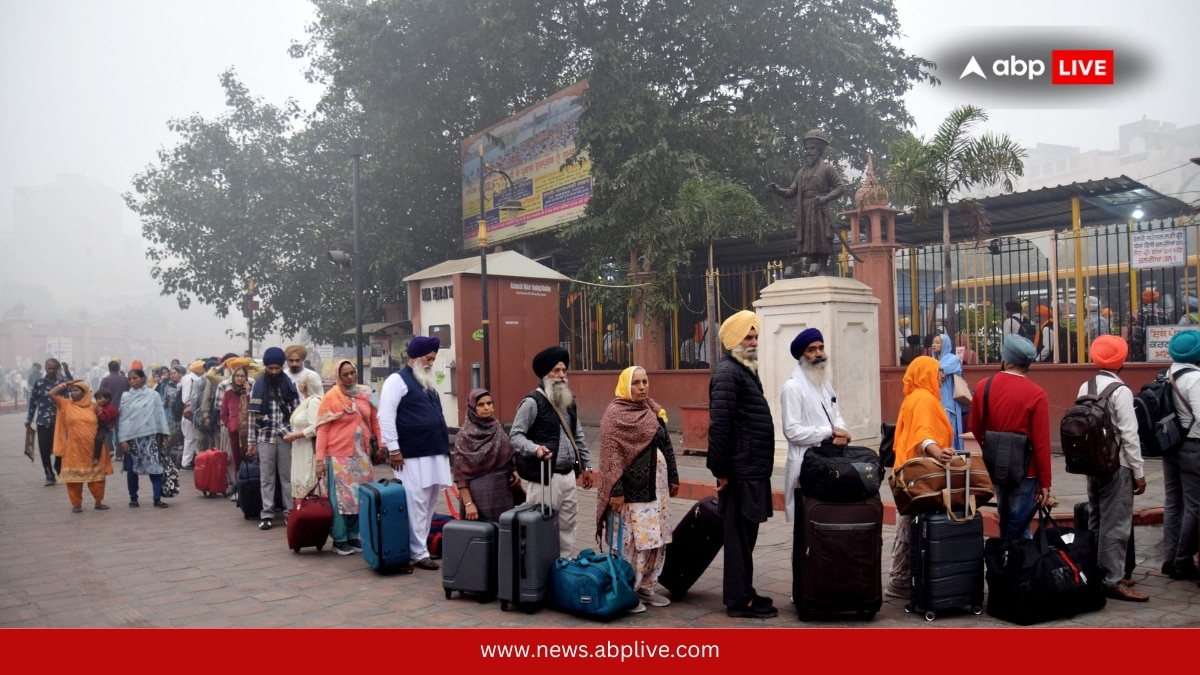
1016 404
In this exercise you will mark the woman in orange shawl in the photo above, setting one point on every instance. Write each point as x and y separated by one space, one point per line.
74 442
346 423
922 428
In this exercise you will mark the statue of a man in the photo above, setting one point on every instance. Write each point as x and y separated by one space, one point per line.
817 183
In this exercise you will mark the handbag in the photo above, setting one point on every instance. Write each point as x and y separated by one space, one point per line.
595 585
925 484
962 392
1051 576
840 473
379 456
29 436
1005 453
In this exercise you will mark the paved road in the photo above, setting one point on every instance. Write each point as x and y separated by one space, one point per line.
199 564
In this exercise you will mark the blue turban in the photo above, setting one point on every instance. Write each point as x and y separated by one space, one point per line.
1185 346
273 357
1017 350
420 346
803 340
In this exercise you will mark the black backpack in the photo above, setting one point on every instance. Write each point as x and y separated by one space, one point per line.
1158 425
177 405
1027 330
1091 442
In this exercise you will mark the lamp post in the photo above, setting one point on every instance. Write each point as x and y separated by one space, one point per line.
509 205
358 324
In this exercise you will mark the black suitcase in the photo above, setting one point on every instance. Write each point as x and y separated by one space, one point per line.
946 560
528 543
694 545
1083 512
836 557
249 490
469 558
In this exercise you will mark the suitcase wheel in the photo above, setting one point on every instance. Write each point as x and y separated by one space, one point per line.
503 605
296 550
449 593
909 608
976 610
320 546
930 615
867 615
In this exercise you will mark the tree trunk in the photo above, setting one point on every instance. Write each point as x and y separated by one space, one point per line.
948 294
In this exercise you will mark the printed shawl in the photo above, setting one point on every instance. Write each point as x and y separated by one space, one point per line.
625 431
481 446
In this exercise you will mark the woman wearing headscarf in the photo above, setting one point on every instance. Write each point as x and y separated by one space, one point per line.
950 366
482 462
142 432
74 442
346 423
637 475
304 430
922 428
234 405
169 392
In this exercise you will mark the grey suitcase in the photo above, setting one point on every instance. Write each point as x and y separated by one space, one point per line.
469 558
528 549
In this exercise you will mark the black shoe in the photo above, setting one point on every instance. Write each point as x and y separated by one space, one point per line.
50 480
160 504
1168 567
264 524
356 545
342 548
1187 570
762 601
752 612
133 505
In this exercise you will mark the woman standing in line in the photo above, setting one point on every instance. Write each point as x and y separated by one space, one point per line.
142 431
483 462
637 475
346 424
74 442
304 430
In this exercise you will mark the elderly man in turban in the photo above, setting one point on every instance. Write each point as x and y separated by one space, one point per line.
741 455
418 441
809 408
546 429
187 388
1110 498
1015 404
1181 468
273 399
294 356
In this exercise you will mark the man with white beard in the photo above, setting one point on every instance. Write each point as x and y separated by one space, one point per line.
411 408
810 410
546 429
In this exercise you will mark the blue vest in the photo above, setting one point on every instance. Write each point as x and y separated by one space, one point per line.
420 424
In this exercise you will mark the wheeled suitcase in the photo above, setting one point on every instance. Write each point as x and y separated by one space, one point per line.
210 472
249 490
694 545
309 522
946 559
836 557
469 558
383 519
1083 511
528 549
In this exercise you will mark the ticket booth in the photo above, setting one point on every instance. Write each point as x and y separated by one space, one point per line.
523 301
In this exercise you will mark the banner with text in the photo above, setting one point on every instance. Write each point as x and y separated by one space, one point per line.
1158 248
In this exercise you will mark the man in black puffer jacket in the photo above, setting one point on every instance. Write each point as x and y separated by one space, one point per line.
741 455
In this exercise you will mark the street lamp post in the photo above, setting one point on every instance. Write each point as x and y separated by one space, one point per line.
358 324
509 205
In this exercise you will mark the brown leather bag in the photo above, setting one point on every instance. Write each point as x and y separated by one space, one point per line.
919 485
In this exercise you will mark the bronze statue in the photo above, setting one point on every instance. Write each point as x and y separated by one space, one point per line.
817 183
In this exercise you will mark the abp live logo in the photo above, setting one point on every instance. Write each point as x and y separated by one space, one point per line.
1081 66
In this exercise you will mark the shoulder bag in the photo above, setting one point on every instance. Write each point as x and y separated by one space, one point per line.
1005 453
924 484
962 392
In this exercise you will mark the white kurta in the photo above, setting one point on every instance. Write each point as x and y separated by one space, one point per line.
809 416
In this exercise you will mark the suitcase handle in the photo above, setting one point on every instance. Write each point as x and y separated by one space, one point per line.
969 508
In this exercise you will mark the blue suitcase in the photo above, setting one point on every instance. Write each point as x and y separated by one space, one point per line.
383 518
469 558
528 550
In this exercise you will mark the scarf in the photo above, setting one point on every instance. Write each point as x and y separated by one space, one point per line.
921 414
141 415
275 386
481 445
341 401
76 419
625 430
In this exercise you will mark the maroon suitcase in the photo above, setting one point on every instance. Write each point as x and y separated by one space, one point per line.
309 522
209 470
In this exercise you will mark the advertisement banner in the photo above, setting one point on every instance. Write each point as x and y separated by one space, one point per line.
530 148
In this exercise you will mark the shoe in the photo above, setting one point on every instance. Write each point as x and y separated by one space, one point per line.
896 592
342 548
653 599
1127 583
133 505
355 545
50 480
426 564
1120 592
1187 570
160 504
264 524
233 495
1168 568
752 612
76 509
762 601
101 507
641 607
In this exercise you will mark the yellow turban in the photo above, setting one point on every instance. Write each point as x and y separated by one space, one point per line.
236 362
737 327
197 367
291 351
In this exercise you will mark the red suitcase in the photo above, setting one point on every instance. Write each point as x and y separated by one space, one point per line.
209 471
309 522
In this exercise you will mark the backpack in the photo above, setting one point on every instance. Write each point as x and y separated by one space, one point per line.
177 405
1027 330
1158 425
1091 442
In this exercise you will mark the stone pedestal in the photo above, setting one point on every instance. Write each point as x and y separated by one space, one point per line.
847 314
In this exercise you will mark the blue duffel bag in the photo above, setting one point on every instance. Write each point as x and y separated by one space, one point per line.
594 585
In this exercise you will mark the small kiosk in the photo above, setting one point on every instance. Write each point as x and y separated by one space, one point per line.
523 303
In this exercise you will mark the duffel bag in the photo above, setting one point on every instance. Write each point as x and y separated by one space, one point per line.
594 585
920 485
840 473
1048 577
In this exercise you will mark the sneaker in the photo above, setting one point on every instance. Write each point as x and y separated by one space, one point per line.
653 599
641 607
355 545
264 524
752 612
76 509
160 504
342 548
133 505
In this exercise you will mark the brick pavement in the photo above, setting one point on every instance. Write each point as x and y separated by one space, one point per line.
199 564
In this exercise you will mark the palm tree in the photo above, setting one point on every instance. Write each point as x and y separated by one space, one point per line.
923 175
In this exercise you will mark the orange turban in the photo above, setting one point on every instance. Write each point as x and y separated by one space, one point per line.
1109 352
1149 295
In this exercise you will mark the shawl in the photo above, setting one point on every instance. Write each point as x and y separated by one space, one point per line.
625 431
76 419
272 385
340 401
921 414
141 415
481 446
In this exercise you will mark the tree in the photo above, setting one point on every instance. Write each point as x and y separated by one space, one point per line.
924 174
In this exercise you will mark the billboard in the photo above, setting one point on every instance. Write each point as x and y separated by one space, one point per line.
530 147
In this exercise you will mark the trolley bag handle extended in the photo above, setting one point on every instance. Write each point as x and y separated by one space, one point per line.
969 509
546 509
